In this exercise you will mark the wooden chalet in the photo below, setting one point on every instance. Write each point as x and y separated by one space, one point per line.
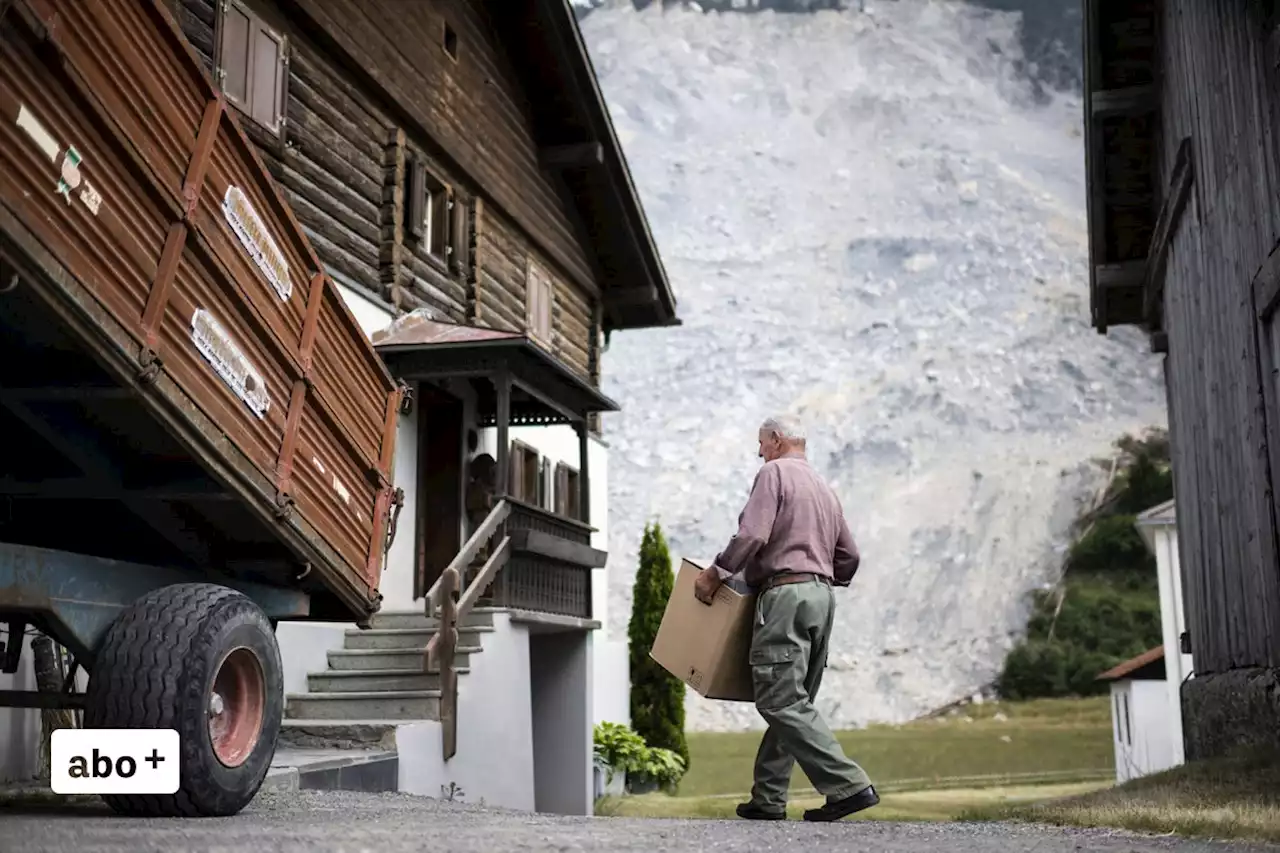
455 158
1182 120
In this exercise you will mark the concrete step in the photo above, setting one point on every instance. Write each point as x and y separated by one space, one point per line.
378 705
479 617
367 659
329 769
406 638
338 734
373 680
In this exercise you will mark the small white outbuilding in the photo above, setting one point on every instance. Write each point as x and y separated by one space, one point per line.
1141 725
1146 692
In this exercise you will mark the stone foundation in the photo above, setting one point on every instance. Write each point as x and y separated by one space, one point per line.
1237 708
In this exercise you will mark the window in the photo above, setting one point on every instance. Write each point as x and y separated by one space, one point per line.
538 302
544 485
1128 724
428 203
524 473
252 65
568 492
450 42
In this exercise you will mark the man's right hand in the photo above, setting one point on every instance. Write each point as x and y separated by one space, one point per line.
706 585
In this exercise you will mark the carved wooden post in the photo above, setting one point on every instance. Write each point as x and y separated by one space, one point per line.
440 653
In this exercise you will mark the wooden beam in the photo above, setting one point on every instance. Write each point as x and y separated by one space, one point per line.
583 155
584 474
1175 201
1126 274
87 489
631 297
1131 101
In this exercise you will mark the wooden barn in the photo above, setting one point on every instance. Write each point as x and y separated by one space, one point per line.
1183 167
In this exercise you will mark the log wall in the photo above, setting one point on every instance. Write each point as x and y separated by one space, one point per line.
342 164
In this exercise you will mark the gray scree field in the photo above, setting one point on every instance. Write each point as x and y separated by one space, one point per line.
876 221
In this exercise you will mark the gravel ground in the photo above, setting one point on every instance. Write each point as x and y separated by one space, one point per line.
387 823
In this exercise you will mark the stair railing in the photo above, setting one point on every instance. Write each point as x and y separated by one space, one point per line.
447 602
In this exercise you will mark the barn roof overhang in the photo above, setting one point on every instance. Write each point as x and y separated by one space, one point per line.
1130 215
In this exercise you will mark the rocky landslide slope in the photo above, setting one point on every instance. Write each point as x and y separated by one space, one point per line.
873 221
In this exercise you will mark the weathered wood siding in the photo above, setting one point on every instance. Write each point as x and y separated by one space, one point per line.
474 107
342 163
1218 88
504 255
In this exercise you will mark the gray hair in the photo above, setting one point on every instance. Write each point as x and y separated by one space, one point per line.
788 427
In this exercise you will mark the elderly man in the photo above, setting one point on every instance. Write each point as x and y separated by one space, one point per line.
792 545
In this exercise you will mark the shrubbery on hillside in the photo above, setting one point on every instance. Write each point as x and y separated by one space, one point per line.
1106 609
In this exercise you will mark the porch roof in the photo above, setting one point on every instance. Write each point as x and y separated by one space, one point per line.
544 390
1148 666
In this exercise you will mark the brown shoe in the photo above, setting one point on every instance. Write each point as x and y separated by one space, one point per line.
864 799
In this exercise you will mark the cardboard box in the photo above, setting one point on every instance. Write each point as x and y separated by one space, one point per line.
708 648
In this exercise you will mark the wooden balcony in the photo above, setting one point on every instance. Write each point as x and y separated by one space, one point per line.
549 570
512 382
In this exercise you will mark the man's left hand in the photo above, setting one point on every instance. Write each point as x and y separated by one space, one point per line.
706 585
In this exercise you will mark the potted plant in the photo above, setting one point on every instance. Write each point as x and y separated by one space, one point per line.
618 750
656 769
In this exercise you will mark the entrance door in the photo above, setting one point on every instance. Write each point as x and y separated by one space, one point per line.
440 485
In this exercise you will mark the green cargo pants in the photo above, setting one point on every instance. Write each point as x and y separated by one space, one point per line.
788 654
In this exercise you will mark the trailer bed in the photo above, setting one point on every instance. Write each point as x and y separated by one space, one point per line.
180 381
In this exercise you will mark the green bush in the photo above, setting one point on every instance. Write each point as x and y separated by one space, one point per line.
1112 544
657 697
1107 607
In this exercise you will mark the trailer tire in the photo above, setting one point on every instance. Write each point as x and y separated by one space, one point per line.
158 666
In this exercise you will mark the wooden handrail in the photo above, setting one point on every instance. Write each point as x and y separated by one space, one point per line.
482 534
454 606
461 606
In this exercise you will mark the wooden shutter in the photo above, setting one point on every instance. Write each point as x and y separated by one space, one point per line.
268 77
252 65
460 240
415 205
545 485
562 489
538 297
233 54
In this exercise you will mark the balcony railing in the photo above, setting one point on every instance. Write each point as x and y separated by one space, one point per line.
549 570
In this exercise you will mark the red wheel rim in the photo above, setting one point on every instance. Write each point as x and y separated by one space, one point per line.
236 707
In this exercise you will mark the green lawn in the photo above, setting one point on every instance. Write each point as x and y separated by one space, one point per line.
1051 741
932 805
1233 797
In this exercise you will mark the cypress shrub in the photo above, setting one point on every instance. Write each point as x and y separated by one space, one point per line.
657 697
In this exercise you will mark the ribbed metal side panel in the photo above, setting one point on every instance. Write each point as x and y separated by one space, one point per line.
340 356
113 253
331 489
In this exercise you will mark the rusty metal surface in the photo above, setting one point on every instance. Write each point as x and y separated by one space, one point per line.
140 220
415 331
